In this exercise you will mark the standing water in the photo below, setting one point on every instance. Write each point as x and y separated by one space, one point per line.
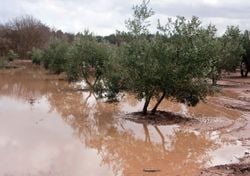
48 128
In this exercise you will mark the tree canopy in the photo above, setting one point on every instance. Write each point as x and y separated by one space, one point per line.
176 62
172 64
86 60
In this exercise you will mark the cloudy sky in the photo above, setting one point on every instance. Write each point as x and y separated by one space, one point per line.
105 16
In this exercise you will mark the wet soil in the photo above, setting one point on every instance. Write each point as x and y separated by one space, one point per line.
239 169
160 118
232 102
234 95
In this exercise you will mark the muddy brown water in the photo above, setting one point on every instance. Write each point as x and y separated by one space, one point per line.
47 128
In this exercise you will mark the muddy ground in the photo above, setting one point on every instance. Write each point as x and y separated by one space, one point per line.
237 169
231 101
235 94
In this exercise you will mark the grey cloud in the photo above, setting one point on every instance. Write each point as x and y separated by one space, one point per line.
104 17
205 10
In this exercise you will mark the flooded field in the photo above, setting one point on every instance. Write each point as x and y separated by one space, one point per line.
48 128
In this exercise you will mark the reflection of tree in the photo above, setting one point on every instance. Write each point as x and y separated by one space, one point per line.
133 155
162 138
147 135
98 126
81 110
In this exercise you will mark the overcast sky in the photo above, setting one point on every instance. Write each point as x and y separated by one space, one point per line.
105 16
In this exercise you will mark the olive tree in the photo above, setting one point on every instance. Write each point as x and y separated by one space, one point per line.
172 64
86 60
226 52
55 56
184 60
246 42
232 49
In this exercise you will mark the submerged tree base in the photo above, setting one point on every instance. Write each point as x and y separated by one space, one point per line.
159 118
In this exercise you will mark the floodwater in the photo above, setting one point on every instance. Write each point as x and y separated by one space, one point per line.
47 128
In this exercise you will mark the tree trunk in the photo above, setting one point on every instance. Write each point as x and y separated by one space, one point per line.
88 83
147 136
214 81
162 137
158 103
97 79
145 107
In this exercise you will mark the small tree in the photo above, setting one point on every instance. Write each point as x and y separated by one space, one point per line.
216 60
173 65
36 56
246 42
232 49
55 56
12 55
86 60
226 52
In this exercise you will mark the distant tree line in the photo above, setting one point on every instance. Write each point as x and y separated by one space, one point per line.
179 62
23 33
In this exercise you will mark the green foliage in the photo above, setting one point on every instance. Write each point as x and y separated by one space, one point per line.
172 64
189 45
225 52
216 59
232 49
36 56
139 24
12 55
55 56
86 60
113 76
246 43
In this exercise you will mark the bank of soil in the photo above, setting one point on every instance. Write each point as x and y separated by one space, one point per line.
17 64
160 118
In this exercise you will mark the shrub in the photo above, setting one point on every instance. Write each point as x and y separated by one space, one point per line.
86 60
36 56
54 57
12 55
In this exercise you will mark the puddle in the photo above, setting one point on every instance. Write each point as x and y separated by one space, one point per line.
35 141
48 129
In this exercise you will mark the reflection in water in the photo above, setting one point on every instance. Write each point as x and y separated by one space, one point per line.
213 110
134 155
47 128
34 142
